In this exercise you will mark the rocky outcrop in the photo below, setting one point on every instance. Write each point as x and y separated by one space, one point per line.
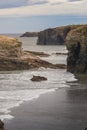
40 54
54 36
1 125
38 78
76 42
10 47
30 34
12 57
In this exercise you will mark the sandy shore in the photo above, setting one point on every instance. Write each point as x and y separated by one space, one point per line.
64 109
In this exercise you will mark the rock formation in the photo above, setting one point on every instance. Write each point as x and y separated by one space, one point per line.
76 42
40 54
10 47
38 78
12 57
1 125
30 34
54 36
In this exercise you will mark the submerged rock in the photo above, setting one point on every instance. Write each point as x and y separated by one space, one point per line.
38 78
76 43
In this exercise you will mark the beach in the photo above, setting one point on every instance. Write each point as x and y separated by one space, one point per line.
63 109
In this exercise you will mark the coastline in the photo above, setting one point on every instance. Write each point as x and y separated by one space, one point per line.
63 109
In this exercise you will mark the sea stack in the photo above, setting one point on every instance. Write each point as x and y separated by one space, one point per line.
54 36
76 42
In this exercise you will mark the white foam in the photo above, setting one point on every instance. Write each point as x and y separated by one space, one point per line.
15 98
16 88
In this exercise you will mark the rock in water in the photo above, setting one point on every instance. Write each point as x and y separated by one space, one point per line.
1 125
76 42
38 78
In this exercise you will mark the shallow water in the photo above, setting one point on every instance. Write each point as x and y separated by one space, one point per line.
16 86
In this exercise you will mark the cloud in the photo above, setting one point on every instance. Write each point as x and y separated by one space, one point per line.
37 2
12 3
42 7
19 3
75 0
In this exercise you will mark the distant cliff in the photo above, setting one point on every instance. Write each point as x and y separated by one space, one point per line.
76 42
30 34
54 36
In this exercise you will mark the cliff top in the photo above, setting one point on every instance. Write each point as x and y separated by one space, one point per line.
10 47
8 41
80 30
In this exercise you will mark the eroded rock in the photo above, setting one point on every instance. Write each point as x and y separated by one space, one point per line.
76 42
12 56
54 36
38 78
30 34
2 125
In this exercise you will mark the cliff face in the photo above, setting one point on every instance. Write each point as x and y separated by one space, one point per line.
55 36
76 42
1 125
30 34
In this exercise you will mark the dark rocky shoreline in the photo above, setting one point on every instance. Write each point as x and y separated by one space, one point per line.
76 43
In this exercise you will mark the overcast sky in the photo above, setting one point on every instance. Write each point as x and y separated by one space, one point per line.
34 15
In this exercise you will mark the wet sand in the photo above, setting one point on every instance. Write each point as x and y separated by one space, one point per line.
64 109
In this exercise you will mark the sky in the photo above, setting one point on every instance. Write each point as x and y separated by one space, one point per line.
18 16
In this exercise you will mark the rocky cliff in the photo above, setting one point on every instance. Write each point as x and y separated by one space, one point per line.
76 42
30 34
13 57
54 36
1 125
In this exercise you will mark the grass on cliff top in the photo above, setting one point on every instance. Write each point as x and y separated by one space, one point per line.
8 42
82 29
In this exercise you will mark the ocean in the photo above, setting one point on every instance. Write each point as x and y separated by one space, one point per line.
16 86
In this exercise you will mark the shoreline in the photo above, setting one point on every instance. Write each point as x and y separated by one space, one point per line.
8 115
63 109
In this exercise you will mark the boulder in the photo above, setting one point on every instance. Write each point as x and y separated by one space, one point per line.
38 78
76 42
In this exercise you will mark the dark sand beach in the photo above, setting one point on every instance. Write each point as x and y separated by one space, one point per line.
64 109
